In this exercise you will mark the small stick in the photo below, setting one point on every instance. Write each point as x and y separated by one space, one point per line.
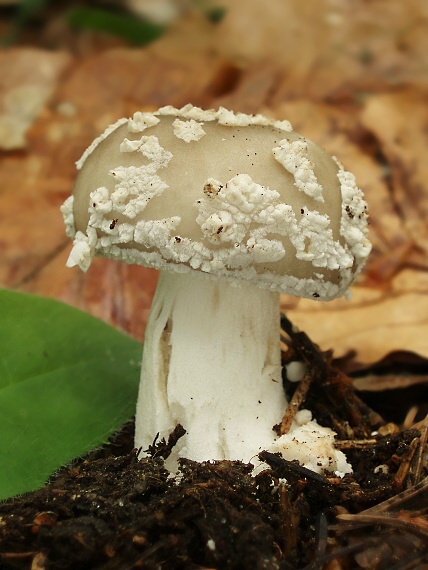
423 426
415 525
397 501
296 401
410 417
405 464
354 443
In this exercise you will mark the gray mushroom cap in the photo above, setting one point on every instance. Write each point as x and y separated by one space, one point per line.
232 196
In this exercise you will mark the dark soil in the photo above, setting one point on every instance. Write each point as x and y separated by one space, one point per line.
110 510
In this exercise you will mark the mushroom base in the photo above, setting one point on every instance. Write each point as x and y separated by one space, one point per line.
211 363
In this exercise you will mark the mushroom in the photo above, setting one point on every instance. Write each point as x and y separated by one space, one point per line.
233 210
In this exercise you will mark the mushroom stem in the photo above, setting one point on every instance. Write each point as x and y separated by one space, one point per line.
211 363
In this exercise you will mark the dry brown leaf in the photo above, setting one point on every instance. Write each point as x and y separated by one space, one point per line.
276 31
115 292
31 227
117 82
374 323
330 49
388 312
252 88
375 382
400 123
28 78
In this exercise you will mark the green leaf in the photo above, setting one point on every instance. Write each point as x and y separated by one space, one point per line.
67 382
126 26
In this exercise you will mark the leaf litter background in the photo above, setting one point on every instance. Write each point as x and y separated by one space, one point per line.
353 76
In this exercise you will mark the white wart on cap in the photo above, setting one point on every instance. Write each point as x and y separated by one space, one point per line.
232 196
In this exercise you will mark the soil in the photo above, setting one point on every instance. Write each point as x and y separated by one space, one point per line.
110 510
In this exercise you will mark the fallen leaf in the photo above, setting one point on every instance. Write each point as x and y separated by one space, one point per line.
29 77
400 123
329 50
373 323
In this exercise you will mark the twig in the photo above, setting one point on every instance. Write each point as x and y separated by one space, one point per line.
321 535
334 386
405 463
292 471
164 448
415 526
409 420
423 426
296 401
397 501
354 443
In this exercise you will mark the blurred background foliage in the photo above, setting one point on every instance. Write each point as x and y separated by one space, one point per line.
137 22
351 75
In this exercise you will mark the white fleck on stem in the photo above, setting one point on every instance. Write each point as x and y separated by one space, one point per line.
211 362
